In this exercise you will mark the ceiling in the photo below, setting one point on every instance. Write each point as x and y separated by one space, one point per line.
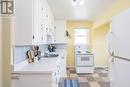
90 10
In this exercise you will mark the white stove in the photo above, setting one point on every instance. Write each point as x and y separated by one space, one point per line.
84 60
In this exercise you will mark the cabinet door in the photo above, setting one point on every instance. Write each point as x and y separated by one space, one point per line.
63 65
34 80
60 28
23 22
43 22
15 79
37 24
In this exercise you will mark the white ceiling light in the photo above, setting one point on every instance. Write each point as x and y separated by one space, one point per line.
74 3
77 2
81 2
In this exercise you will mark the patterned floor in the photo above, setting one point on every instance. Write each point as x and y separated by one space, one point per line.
97 79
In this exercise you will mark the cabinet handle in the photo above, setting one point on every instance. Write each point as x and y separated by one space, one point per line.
33 36
54 27
55 74
41 26
62 57
42 9
42 38
47 15
15 77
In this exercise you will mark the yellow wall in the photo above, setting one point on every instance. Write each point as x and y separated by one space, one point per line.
71 25
0 55
99 36
6 46
118 7
99 45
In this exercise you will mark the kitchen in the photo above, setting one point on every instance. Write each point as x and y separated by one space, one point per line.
42 41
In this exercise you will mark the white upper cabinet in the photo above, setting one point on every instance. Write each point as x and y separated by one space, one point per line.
23 22
32 22
60 31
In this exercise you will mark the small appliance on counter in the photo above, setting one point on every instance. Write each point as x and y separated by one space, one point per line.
50 54
51 48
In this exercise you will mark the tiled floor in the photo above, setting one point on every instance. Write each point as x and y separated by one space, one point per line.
97 79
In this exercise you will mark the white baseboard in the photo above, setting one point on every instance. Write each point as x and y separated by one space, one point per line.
100 66
94 66
70 66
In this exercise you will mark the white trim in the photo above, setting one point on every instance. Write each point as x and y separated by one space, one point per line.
70 66
100 66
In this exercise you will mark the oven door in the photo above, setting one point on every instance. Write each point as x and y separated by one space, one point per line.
84 60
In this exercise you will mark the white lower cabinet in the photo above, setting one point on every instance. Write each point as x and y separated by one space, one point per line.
32 80
63 72
39 79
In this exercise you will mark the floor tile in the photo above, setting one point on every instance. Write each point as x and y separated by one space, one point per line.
98 79
104 84
105 79
103 71
82 79
103 74
73 75
72 71
94 84
90 79
95 75
85 84
99 68
85 74
97 71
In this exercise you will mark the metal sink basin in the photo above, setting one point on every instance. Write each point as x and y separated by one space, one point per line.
52 55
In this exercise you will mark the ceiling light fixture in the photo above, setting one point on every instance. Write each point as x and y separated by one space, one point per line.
77 2
81 2
74 4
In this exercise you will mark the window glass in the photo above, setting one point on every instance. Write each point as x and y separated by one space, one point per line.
81 36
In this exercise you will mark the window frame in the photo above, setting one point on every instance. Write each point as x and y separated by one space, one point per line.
88 36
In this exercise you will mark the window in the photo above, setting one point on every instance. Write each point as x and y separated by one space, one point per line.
81 36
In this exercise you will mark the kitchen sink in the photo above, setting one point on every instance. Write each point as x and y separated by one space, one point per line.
52 55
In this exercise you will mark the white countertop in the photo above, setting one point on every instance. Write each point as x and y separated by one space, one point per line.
44 65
